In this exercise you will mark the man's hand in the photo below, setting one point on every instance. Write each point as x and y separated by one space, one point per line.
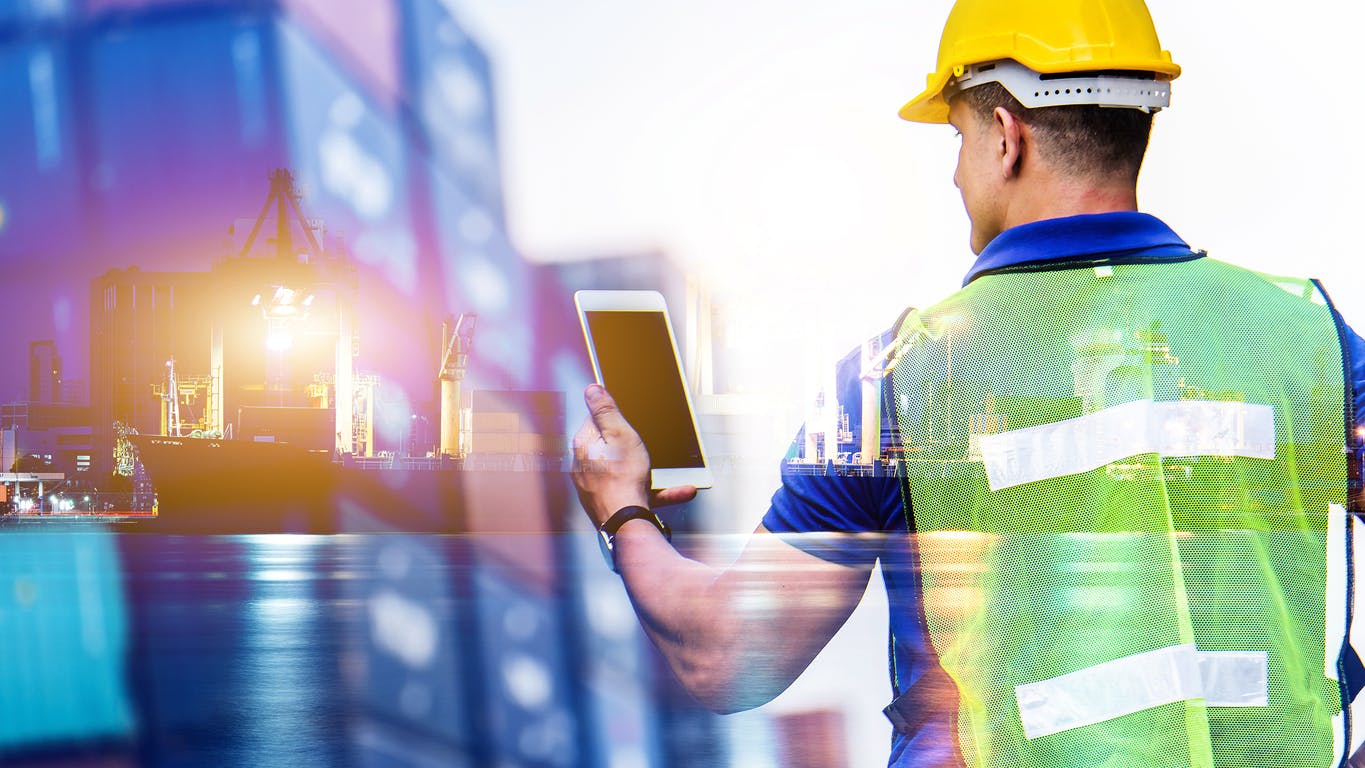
611 465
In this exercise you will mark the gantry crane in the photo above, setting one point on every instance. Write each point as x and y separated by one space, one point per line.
456 343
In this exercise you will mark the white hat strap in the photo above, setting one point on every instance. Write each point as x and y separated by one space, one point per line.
1142 91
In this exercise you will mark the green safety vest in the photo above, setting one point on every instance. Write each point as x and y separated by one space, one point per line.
1128 487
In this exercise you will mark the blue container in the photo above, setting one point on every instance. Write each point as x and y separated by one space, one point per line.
179 152
104 11
411 644
450 84
42 216
481 272
379 745
30 13
527 700
351 160
623 725
363 36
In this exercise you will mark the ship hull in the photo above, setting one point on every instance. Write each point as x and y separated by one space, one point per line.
227 486
231 486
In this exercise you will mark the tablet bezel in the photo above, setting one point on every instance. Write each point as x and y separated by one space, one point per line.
647 301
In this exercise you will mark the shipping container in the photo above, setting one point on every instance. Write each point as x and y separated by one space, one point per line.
624 730
350 159
527 700
450 85
614 663
409 677
483 273
361 36
184 134
139 11
380 745
42 214
27 14
64 631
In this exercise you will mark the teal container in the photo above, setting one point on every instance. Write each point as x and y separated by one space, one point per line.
63 640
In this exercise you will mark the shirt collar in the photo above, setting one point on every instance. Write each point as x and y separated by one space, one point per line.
1127 233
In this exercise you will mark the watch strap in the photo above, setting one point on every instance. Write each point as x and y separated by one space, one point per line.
626 514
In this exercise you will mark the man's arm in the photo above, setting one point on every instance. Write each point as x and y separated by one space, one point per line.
735 638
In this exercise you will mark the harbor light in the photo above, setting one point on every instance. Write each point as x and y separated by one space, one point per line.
279 341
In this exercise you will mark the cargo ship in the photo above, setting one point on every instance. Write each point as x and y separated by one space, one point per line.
515 457
277 435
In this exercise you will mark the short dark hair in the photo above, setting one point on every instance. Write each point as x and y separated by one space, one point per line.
1084 140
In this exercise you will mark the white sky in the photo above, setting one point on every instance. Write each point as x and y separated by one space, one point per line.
757 142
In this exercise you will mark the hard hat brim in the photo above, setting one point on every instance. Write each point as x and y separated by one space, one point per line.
929 106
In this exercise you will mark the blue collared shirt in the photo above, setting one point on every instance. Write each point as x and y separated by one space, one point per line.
826 503
1107 237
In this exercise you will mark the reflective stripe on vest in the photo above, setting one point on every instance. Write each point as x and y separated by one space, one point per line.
1134 683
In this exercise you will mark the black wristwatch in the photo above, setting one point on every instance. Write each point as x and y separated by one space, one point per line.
606 533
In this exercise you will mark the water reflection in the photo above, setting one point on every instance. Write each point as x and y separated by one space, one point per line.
286 650
408 650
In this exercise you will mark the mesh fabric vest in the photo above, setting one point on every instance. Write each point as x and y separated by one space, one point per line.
1122 480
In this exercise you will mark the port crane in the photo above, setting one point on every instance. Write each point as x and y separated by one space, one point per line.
456 343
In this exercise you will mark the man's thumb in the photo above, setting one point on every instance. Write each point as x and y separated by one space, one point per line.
600 402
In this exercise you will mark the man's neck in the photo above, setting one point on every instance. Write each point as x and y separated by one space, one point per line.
1056 197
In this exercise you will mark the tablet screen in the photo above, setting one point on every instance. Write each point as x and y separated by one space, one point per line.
640 370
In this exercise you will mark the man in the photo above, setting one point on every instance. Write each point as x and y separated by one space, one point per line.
1117 535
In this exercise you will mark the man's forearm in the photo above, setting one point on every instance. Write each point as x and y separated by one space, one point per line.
683 608
735 638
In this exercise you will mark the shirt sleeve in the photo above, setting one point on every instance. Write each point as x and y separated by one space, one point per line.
834 504
815 499
1355 350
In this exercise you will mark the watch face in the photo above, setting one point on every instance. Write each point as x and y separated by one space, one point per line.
604 542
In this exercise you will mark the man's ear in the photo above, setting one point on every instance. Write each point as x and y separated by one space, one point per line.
1011 132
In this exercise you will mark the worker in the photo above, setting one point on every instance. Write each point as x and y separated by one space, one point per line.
1119 530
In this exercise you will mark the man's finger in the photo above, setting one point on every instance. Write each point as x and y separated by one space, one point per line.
600 404
670 496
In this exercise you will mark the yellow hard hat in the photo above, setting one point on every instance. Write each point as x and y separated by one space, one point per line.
1049 37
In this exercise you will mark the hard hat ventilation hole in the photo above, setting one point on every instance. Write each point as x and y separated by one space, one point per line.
1105 88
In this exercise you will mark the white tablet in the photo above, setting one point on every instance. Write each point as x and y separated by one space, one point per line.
635 356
